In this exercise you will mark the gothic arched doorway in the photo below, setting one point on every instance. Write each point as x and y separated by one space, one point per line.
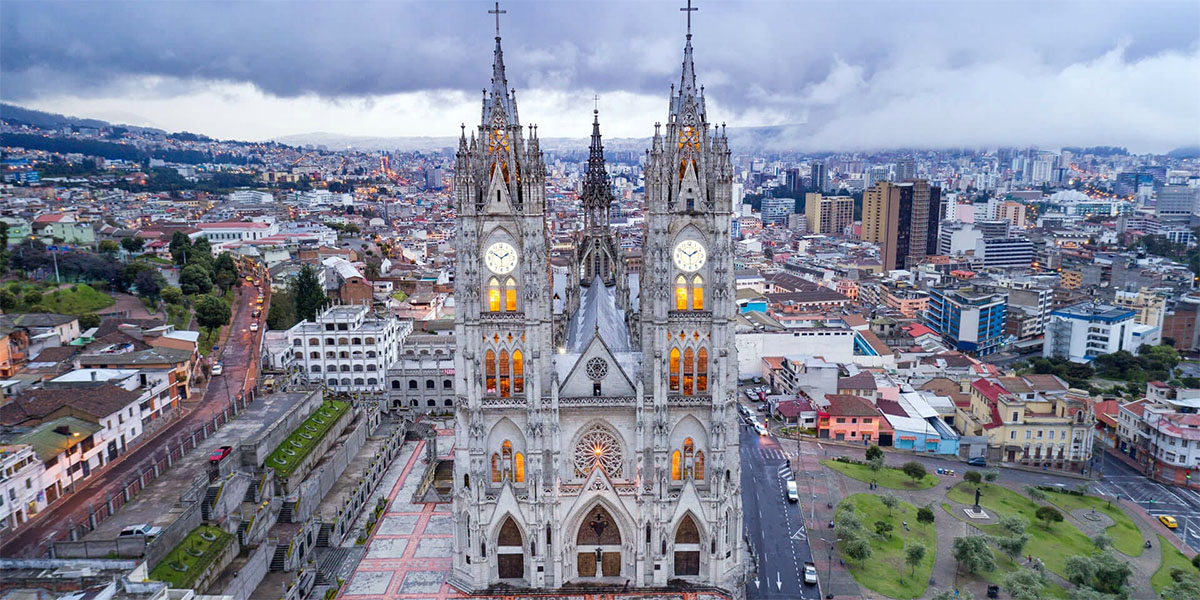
687 547
510 551
599 545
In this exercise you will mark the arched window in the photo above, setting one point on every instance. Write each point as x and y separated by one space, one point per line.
357 341
447 384
697 293
329 341
297 342
370 341
298 355
506 460
431 402
504 370
412 384
518 371
330 355
314 355
674 369
519 468
343 354
702 370
313 341
510 295
371 367
343 341
495 468
676 468
429 384
493 295
316 368
689 451
699 469
372 381
489 369
395 384
345 368
358 381
359 368
689 365
681 293
333 381
345 381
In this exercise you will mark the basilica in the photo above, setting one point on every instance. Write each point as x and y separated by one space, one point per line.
595 438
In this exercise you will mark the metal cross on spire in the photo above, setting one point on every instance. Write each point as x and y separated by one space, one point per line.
496 11
596 103
689 9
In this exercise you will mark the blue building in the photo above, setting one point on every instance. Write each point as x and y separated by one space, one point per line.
969 320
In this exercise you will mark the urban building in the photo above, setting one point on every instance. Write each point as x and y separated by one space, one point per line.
828 215
1032 420
348 349
971 320
1004 253
775 211
1083 331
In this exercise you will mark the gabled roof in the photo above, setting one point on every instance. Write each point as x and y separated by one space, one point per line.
97 401
845 405
862 381
988 389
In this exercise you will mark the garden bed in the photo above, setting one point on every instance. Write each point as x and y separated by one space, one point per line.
187 562
291 453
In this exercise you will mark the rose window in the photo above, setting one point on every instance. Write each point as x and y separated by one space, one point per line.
598 448
597 368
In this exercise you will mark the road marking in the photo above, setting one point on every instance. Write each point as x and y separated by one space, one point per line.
799 535
778 581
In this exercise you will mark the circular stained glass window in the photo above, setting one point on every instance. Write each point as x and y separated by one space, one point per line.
597 368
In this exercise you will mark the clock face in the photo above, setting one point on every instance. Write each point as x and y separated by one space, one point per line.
500 258
690 255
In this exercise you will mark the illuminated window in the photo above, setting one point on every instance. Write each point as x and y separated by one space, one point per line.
506 454
510 295
489 368
681 293
689 362
702 370
493 294
518 372
504 368
674 368
519 468
689 450
495 468
699 470
697 293
676 472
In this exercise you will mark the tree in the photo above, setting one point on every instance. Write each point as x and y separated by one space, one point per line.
308 294
148 284
1196 561
108 247
1012 525
133 244
180 247
1103 541
1112 573
890 502
282 314
8 300
974 553
991 476
1024 584
874 451
89 320
847 525
913 555
172 295
1048 515
858 549
212 312
915 470
193 279
32 298
225 271
875 463
1035 493
925 515
1080 570
883 529
1087 593
1012 545
1186 587
973 477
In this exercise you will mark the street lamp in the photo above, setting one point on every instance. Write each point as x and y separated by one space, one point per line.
829 577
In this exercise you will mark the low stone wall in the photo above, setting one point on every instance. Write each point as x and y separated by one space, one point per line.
310 490
231 492
260 522
216 567
356 501
132 546
174 533
251 574
255 451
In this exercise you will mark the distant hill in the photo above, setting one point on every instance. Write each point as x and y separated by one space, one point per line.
16 114
1185 152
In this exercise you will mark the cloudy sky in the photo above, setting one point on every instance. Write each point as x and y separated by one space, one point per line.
847 74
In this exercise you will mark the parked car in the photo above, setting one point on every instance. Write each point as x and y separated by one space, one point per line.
254 326
219 454
978 461
256 313
144 529
810 573
217 368
793 494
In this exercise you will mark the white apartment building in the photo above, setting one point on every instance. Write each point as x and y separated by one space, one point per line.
348 349
422 380
21 493
1083 331
236 231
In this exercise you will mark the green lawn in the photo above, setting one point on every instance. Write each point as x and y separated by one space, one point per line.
187 561
1053 545
1004 564
1127 539
1171 558
301 442
888 477
885 571
71 300
399 295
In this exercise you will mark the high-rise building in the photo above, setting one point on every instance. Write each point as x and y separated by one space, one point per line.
828 215
776 210
896 217
928 199
794 182
613 455
906 168
1176 201
970 320
819 176
1005 253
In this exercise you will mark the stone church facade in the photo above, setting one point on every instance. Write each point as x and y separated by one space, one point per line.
608 455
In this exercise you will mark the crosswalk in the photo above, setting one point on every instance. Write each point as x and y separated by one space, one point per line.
773 454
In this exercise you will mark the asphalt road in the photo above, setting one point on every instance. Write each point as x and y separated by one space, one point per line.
1158 499
774 526
240 361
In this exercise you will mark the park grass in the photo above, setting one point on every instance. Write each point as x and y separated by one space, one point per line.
885 572
1171 558
76 299
194 554
1127 538
1053 545
292 452
1005 565
888 477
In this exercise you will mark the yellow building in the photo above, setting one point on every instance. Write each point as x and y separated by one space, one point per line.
828 215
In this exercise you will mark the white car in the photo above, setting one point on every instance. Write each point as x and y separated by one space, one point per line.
143 529
254 326
218 368
793 494
760 429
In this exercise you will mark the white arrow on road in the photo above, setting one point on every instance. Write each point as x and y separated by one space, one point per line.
778 581
756 582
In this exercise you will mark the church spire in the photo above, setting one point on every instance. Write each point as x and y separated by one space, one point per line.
499 93
687 92
596 194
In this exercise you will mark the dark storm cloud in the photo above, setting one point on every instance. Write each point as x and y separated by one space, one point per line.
753 56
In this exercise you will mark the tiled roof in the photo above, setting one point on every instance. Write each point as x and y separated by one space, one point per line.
98 401
846 405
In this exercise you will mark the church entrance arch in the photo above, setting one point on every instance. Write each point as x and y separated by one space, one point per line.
687 548
510 551
599 545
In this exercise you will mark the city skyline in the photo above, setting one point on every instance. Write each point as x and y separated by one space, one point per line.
986 74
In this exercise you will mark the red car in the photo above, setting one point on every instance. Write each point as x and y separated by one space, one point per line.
219 454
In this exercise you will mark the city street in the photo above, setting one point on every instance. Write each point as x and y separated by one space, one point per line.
774 526
1158 499
239 356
